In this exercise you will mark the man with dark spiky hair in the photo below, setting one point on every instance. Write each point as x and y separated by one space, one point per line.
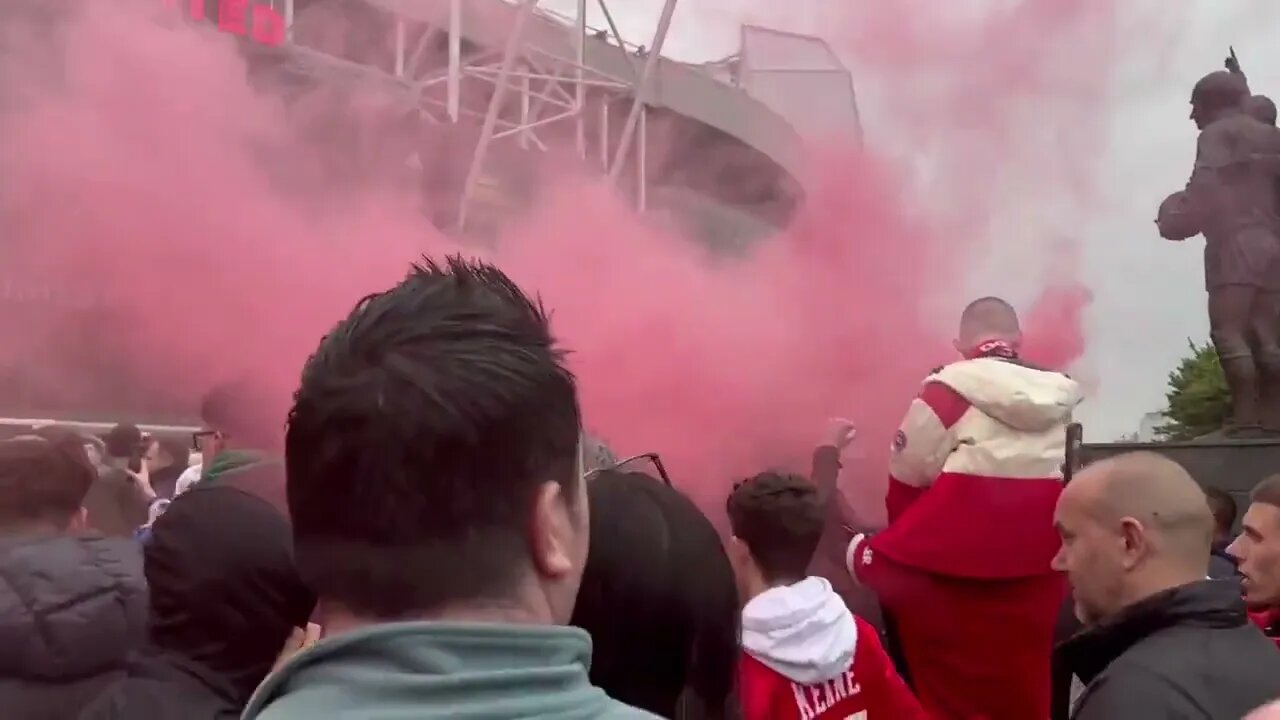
439 510
804 654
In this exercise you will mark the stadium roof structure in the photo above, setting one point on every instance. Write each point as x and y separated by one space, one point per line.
523 73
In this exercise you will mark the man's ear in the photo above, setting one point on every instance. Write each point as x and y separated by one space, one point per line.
552 529
1136 543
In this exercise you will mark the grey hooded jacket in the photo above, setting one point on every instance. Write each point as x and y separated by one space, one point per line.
71 611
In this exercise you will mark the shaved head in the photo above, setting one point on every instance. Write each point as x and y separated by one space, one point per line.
988 318
1131 526
1154 490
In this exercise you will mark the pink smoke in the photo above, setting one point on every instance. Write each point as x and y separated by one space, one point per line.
143 170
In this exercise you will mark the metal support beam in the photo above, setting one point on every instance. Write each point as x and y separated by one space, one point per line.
288 20
399 48
604 132
495 106
524 112
642 89
642 162
580 36
455 59
613 28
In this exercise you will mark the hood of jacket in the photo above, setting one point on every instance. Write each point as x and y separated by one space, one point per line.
1024 398
428 670
803 631
1206 604
70 607
225 592
228 462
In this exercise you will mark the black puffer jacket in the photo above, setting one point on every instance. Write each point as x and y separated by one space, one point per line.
71 611
1188 653
225 595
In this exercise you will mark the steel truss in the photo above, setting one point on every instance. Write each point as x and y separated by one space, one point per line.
532 87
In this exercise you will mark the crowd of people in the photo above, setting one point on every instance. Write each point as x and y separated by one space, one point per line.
435 536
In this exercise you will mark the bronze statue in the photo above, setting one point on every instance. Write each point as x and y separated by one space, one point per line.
1232 200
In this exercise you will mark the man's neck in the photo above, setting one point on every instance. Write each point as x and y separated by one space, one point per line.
338 620
992 347
758 586
1160 581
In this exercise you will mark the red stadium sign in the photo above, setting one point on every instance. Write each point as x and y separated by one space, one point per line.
254 19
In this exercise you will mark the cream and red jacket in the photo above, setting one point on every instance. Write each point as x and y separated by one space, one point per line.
976 471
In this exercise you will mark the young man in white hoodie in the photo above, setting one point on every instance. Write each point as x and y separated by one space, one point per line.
805 656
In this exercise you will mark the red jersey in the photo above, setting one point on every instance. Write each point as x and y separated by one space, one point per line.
869 689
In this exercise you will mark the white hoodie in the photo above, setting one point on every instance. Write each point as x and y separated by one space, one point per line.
802 631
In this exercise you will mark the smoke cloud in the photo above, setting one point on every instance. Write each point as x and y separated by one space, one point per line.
168 225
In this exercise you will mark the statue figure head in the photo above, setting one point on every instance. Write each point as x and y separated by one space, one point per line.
1217 95
1261 108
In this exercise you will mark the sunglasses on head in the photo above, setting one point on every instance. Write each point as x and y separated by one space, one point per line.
646 464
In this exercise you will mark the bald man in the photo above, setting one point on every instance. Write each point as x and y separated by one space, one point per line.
1161 640
963 569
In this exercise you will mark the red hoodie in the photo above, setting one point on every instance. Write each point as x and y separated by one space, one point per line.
1269 621
806 657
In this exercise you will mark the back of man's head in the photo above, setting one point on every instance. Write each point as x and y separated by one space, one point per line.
242 412
123 441
779 519
432 452
1223 507
988 320
654 552
43 483
224 589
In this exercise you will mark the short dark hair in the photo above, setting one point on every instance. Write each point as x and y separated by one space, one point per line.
423 427
43 479
123 441
1223 507
1267 491
780 518
654 552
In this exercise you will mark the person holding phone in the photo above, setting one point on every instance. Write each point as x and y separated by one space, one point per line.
120 500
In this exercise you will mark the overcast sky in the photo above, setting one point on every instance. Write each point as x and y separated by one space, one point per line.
1148 294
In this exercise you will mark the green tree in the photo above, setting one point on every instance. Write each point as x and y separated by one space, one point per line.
1198 399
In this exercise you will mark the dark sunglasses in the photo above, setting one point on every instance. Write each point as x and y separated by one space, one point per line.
198 437
647 464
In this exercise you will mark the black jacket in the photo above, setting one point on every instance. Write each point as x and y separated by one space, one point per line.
224 597
71 611
1221 565
1186 653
